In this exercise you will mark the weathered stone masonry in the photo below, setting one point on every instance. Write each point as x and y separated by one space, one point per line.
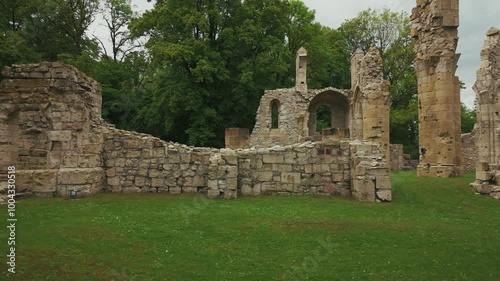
51 130
50 124
487 88
435 24
358 113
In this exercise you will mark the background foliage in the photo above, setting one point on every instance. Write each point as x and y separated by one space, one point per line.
206 63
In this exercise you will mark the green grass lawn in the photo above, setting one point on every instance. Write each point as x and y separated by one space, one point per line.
436 229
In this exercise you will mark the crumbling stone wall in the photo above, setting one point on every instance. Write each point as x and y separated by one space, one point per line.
487 88
53 133
397 157
140 163
358 113
323 168
49 122
469 151
435 24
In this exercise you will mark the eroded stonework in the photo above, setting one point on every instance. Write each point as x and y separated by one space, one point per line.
487 88
50 124
52 132
435 24
358 113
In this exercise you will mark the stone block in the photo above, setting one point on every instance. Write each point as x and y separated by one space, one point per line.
133 143
139 181
92 149
171 180
484 175
36 181
59 135
158 182
245 163
482 166
232 172
189 189
291 178
175 190
232 183
230 194
338 177
483 188
79 176
119 162
113 181
363 190
213 193
384 195
246 190
131 190
213 184
231 159
282 167
257 189
273 159
264 176
198 181
285 187
383 182
290 157
309 168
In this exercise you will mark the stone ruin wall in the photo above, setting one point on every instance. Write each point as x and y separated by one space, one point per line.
487 88
401 161
50 129
53 133
358 113
435 24
469 151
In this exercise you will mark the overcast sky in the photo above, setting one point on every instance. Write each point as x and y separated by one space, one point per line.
476 17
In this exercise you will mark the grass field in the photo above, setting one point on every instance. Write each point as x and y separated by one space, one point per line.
435 229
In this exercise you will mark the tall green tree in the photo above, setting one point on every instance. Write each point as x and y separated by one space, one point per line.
57 27
468 117
14 46
213 61
117 14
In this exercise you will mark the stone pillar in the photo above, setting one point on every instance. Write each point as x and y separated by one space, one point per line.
301 71
435 24
376 101
487 88
356 60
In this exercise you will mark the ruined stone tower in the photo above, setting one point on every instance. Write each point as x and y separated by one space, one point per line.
435 24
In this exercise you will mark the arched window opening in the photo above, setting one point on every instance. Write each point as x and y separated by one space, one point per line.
328 109
275 112
323 118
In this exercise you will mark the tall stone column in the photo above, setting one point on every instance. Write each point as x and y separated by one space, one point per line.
376 101
487 90
435 29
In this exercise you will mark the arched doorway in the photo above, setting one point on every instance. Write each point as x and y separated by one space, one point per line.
338 106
